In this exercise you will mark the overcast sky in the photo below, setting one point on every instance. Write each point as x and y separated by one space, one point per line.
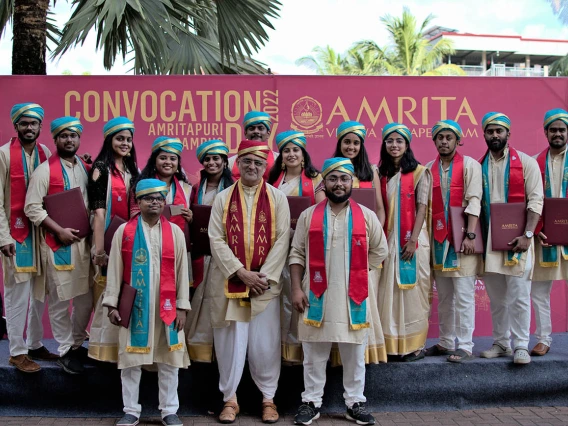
304 24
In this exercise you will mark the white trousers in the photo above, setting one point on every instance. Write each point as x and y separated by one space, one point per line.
19 303
456 311
316 355
260 339
167 385
68 330
540 296
510 307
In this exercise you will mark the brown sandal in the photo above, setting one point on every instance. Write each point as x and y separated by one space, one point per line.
229 412
269 413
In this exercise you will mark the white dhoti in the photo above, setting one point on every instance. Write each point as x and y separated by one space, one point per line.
540 296
260 339
167 383
456 311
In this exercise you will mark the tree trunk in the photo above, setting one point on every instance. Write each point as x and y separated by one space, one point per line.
30 29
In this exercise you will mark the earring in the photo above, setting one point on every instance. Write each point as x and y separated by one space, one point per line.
283 166
302 164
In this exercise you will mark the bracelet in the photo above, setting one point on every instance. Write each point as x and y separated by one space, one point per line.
111 312
103 254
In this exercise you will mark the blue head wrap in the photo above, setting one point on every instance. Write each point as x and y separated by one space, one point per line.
340 164
293 136
26 109
401 129
215 146
62 123
447 125
117 125
496 118
553 115
351 127
151 186
167 144
252 118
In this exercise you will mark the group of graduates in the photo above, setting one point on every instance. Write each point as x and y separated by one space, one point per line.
348 283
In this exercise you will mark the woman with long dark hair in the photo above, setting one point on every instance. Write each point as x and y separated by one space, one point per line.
405 282
110 180
214 177
351 144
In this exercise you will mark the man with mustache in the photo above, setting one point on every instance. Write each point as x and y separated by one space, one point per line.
551 261
509 176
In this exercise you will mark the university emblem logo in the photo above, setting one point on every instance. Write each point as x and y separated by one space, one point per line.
119 198
168 305
306 115
233 208
262 217
141 257
358 243
407 236
514 157
19 223
317 277
439 225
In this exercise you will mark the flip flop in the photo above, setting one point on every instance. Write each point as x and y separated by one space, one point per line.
438 351
463 356
411 357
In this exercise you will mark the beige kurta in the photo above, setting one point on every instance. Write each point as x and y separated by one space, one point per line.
404 313
5 199
71 283
469 265
159 350
495 260
336 326
225 263
560 272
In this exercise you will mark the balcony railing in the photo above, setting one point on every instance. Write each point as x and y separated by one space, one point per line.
500 70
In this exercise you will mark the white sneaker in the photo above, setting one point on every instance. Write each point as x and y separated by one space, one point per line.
496 351
522 356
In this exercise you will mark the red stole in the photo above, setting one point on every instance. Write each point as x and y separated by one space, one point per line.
167 265
179 200
262 228
359 271
306 183
407 208
541 160
456 197
119 202
516 177
269 159
363 184
19 223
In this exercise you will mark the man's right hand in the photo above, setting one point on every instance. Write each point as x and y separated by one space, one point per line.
299 300
255 281
67 236
114 316
8 250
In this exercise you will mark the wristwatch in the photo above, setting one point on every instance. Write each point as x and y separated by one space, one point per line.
470 235
529 234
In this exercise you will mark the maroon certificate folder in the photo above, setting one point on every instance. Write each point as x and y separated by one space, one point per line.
126 303
111 230
458 220
297 206
199 229
174 210
508 221
366 197
67 209
555 221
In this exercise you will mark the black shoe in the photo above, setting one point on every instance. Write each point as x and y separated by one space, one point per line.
359 414
128 420
42 354
80 353
172 420
70 364
306 413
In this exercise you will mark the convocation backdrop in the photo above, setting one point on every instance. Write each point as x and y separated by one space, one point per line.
199 108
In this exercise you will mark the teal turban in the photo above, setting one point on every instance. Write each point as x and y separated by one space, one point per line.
151 186
496 118
167 144
553 115
252 118
26 109
351 127
340 164
293 136
447 125
212 147
62 123
116 125
401 129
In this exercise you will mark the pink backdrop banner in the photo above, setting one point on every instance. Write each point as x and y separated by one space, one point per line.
199 108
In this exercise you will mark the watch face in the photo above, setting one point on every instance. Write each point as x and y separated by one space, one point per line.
470 235
529 234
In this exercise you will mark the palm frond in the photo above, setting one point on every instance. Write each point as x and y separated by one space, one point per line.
6 13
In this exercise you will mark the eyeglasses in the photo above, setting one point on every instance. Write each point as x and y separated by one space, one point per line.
151 200
247 162
30 124
342 179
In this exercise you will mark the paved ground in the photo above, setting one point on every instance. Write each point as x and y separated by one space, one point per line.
541 416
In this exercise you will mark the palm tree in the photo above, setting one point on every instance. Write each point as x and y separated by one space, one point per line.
325 61
560 9
167 36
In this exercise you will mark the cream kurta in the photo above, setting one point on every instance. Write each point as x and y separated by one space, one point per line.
69 283
5 199
225 263
495 260
404 313
335 325
159 350
469 265
560 272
